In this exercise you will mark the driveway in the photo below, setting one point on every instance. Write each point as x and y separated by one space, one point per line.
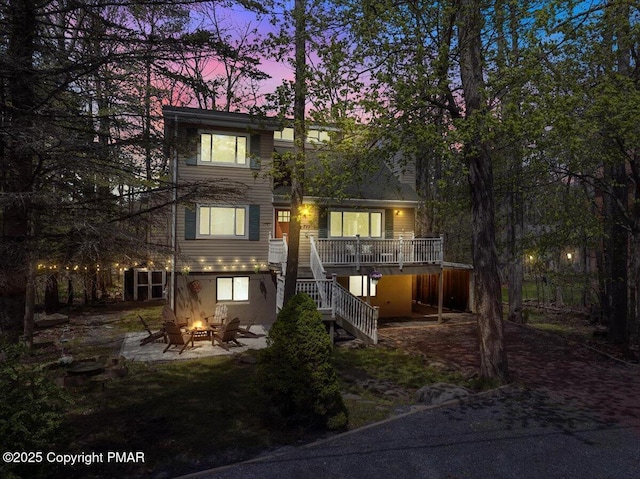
571 413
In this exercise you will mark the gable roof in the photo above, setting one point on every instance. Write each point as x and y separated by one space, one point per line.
354 186
221 118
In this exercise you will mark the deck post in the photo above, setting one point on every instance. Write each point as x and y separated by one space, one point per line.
440 293
334 295
400 253
357 252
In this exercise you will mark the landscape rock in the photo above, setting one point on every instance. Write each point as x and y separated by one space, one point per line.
439 393
352 344
351 396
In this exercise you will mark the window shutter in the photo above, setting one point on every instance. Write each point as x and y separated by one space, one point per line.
323 223
254 150
191 155
254 222
189 223
388 224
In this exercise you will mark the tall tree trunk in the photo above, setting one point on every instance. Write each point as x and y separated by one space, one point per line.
299 137
493 354
616 254
17 164
617 199
51 294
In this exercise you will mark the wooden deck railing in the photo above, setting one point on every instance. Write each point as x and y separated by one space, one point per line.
357 251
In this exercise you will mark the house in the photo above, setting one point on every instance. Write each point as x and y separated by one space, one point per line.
359 258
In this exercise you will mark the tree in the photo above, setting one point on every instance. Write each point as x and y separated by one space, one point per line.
19 101
477 155
77 140
299 138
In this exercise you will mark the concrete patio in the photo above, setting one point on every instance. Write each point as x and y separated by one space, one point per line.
132 350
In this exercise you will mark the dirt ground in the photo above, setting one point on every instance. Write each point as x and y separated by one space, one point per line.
563 368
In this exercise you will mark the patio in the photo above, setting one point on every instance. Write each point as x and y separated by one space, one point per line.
132 350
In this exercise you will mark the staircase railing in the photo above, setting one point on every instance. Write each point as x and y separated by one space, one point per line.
357 313
352 313
278 251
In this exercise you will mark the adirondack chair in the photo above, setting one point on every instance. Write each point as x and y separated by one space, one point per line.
219 316
169 316
226 334
152 337
177 337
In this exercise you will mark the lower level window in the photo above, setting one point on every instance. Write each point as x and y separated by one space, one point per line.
232 289
358 286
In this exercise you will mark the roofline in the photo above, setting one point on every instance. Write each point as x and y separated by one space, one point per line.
351 201
222 118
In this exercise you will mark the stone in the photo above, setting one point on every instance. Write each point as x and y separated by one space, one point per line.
351 396
439 393
247 359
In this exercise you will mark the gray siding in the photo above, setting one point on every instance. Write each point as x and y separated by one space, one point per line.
229 255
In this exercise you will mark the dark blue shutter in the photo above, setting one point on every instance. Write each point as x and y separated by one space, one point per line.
323 223
189 223
254 152
388 223
190 157
254 222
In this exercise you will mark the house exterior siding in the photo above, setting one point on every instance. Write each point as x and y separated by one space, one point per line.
206 258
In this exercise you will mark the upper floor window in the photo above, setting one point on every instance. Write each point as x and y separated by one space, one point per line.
313 136
367 224
222 221
225 149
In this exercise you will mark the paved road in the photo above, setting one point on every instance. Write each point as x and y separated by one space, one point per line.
578 417
512 434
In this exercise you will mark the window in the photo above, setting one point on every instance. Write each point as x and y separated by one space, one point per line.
285 134
223 149
351 223
358 286
232 289
284 216
313 136
222 221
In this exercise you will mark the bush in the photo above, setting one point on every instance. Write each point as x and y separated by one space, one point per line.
295 371
31 411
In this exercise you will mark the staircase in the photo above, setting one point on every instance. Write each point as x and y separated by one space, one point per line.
352 314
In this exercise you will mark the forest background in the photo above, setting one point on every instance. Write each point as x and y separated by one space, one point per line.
520 117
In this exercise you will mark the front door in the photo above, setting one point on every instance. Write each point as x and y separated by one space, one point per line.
283 217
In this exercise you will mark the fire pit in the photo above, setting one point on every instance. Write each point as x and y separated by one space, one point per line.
88 368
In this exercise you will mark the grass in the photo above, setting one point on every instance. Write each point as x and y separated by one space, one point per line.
195 414
184 415
205 413
397 372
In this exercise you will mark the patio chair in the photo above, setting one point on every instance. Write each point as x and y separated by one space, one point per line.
226 334
169 316
219 316
152 337
177 337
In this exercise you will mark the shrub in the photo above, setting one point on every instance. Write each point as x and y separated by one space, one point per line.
31 411
295 372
